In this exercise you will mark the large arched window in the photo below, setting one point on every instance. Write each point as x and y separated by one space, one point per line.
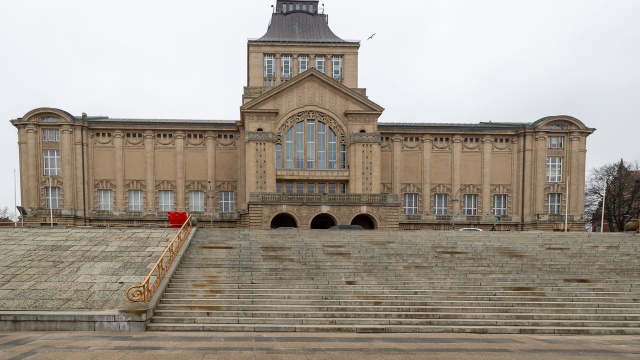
310 140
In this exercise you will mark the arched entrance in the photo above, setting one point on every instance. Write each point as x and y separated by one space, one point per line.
283 220
322 221
365 221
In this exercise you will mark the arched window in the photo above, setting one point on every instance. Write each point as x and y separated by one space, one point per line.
309 141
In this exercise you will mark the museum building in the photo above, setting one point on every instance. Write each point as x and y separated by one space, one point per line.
308 151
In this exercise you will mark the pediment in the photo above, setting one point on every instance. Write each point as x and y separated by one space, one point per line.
49 116
312 89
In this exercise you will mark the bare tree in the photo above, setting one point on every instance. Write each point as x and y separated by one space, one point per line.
621 181
6 217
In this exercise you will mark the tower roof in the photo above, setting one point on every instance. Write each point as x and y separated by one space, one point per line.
299 22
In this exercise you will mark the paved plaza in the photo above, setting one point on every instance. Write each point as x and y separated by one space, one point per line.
230 346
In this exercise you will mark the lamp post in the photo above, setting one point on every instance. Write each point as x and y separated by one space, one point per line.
210 205
454 200
50 201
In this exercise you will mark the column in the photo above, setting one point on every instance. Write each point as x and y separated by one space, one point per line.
514 201
456 175
294 65
149 149
78 173
66 159
427 146
118 142
180 171
397 163
487 148
278 69
328 68
33 181
210 144
541 174
90 171
574 163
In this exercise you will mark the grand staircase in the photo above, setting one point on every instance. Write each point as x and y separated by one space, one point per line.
394 281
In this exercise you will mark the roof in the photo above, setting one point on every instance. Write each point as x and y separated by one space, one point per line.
300 27
107 120
478 126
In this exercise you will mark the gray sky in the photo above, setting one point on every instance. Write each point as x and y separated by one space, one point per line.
431 61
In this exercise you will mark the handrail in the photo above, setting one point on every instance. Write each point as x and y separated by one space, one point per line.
144 291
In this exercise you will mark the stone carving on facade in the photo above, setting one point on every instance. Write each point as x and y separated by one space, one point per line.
195 140
471 189
55 182
165 185
556 188
226 140
134 139
386 188
410 188
471 143
164 139
226 186
135 185
310 115
385 142
197 186
441 189
103 138
365 138
501 144
441 143
411 142
501 189
260 136
104 185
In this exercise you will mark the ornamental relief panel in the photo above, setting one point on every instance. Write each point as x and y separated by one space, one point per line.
194 140
135 185
104 184
133 139
410 188
501 144
386 188
197 186
227 140
226 186
411 142
501 189
441 143
165 140
471 143
365 138
165 185
441 189
103 138
261 136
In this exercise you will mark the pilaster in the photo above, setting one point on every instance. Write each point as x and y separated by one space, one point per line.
149 147
487 148
427 146
541 173
33 188
180 171
397 163
118 142
573 179
66 159
456 176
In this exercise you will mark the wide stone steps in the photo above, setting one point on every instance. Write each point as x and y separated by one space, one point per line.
248 280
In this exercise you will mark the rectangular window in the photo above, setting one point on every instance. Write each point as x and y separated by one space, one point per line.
278 187
196 201
343 157
136 200
555 204
322 146
269 65
285 62
499 204
105 200
50 135
470 204
52 198
288 187
165 200
336 62
52 163
303 63
554 169
343 188
288 150
300 145
278 156
332 150
441 204
410 203
321 63
300 187
226 201
555 142
322 188
311 144
332 188
311 188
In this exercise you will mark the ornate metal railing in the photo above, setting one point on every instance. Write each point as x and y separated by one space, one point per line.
145 290
333 199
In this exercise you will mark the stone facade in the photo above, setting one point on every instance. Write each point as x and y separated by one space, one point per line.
308 151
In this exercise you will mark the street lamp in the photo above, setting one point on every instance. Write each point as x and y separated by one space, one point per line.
210 204
454 200
604 197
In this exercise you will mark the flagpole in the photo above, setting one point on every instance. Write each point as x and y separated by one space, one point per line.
566 213
15 200
50 201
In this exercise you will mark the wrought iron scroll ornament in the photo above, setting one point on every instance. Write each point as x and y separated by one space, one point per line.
311 115
145 290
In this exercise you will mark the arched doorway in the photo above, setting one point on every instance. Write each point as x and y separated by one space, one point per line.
365 221
322 221
283 220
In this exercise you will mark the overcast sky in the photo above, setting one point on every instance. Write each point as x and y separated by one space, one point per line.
450 61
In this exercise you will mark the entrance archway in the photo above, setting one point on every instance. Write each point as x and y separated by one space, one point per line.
322 221
283 220
365 221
